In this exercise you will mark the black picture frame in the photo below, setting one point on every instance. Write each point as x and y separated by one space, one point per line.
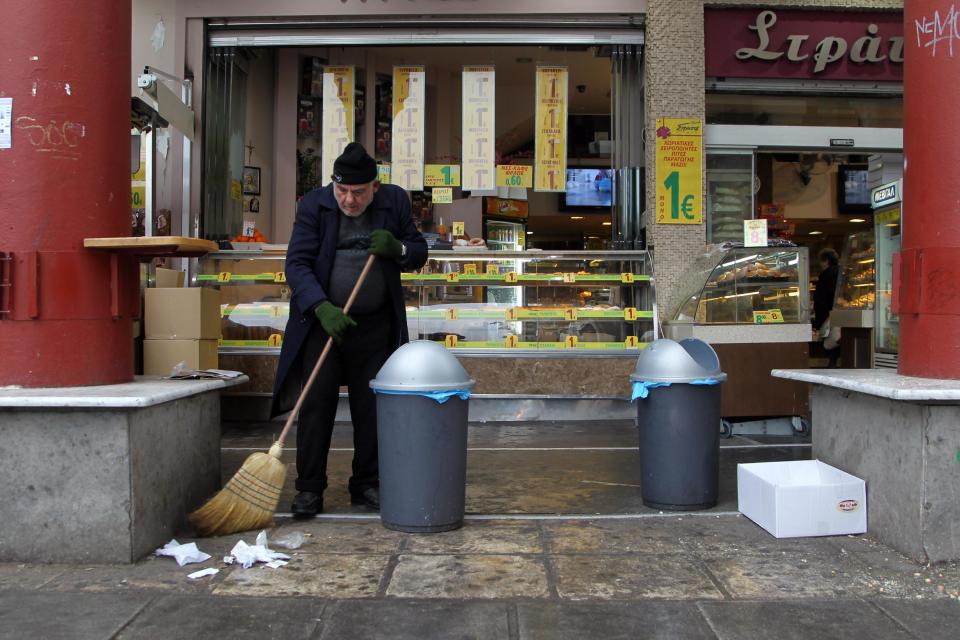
251 181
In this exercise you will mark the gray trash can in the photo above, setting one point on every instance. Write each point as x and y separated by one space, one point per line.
422 399
677 391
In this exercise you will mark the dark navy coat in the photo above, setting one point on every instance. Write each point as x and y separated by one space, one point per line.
310 255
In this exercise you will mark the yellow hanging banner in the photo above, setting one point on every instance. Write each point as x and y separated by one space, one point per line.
550 155
477 128
679 171
337 116
409 94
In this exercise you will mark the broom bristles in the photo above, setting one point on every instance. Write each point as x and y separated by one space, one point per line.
247 501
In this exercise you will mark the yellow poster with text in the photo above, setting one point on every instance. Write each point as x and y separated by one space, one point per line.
550 150
514 175
477 128
679 171
441 175
337 116
406 159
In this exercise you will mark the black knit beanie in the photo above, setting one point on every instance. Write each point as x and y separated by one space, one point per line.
354 166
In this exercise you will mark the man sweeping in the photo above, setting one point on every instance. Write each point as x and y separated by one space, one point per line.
336 228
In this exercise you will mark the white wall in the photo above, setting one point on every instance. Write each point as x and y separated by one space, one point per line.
259 133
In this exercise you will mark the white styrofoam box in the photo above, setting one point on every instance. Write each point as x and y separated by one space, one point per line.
802 498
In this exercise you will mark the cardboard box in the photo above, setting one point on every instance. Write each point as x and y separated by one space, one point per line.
161 356
802 498
167 278
191 313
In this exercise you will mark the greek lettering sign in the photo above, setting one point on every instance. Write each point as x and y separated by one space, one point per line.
827 45
679 171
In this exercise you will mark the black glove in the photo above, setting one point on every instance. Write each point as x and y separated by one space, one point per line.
333 320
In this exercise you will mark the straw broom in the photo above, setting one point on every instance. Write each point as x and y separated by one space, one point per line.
250 498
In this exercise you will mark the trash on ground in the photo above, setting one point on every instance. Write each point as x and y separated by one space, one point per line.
276 564
246 555
229 559
183 553
292 540
203 573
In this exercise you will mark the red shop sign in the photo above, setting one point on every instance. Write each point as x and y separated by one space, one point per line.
833 45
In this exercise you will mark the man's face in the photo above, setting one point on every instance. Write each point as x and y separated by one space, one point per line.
354 199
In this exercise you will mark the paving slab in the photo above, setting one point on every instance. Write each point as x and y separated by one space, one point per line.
315 575
152 573
930 620
480 536
189 618
632 577
416 620
468 576
841 619
29 576
611 621
654 535
66 616
321 536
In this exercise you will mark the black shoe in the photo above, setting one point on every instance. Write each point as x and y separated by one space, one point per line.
306 504
369 497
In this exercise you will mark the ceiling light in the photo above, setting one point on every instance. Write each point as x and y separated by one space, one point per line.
857 220
576 217
816 233
606 224
529 233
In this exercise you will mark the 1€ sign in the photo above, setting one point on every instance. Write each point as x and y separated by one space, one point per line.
679 171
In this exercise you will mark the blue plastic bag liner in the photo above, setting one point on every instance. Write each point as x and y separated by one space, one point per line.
641 389
439 396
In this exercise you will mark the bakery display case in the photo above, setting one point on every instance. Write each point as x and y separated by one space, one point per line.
745 285
729 178
856 288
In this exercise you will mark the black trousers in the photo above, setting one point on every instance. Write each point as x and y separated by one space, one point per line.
354 362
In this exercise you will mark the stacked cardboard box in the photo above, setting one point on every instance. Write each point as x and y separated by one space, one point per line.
181 325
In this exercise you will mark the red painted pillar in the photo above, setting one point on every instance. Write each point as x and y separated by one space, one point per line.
65 312
927 290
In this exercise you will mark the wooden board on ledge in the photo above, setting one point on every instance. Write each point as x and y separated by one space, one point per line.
154 247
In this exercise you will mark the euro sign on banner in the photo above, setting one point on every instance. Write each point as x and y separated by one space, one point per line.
679 171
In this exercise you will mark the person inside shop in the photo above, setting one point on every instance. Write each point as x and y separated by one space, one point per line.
336 228
823 297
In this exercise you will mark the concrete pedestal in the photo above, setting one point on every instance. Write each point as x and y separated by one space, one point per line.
902 436
106 473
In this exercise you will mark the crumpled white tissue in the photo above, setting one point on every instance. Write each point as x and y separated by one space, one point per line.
183 553
246 555
209 571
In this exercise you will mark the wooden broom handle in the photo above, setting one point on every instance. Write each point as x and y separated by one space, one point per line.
323 355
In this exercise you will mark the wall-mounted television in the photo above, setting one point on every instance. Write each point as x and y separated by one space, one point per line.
853 188
587 188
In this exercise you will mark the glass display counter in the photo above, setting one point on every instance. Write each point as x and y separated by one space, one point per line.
856 288
487 302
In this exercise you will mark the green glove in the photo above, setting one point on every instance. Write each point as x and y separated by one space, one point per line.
333 320
383 244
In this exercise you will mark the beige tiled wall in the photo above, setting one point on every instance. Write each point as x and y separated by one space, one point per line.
673 76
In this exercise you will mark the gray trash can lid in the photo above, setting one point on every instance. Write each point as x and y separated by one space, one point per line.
422 365
685 361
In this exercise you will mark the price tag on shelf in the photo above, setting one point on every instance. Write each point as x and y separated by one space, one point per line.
626 278
280 276
511 313
452 277
570 314
493 269
631 342
630 313
451 313
470 269
755 233
772 316
571 342
223 276
457 228
450 342
511 342
275 340
511 277
569 278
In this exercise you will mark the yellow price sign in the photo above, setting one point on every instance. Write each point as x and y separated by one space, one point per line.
630 342
493 269
570 314
511 342
441 175
511 313
280 276
630 313
441 195
223 276
514 175
626 278
451 313
767 317
275 340
457 228
450 342
453 277
569 278
571 342
470 269
511 277
138 197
